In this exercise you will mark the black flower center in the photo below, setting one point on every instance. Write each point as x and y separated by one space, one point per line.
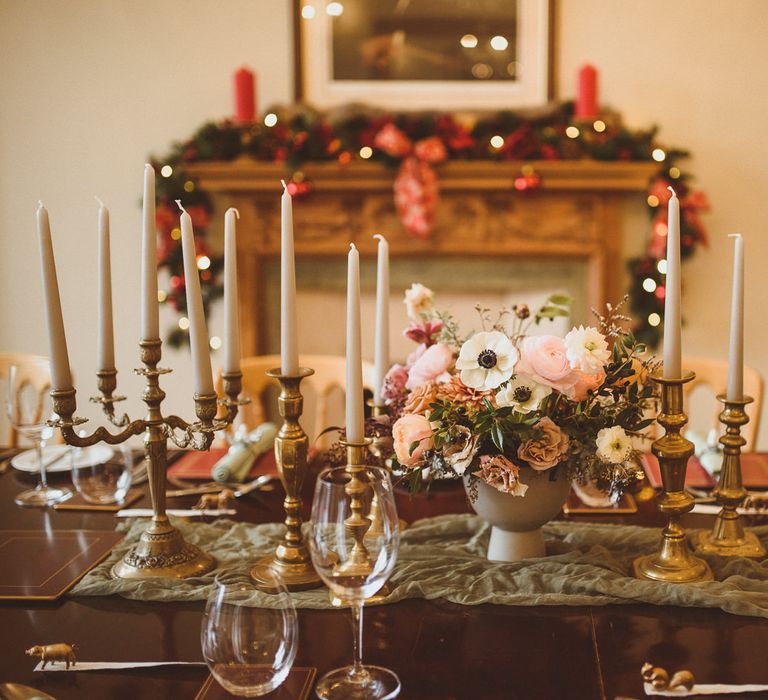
522 394
487 359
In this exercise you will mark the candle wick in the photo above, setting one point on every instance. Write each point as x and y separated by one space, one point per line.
285 187
40 204
379 237
352 246
674 194
148 166
734 235
178 201
101 204
237 213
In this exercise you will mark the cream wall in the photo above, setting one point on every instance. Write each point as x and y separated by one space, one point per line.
88 89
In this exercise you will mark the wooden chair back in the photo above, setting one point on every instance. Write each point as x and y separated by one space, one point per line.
714 375
35 374
329 379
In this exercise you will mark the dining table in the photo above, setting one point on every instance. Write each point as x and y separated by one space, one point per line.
440 650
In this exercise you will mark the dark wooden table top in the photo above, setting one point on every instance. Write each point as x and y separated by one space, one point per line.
440 650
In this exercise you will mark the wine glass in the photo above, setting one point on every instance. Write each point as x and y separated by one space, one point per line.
354 566
249 637
103 481
28 410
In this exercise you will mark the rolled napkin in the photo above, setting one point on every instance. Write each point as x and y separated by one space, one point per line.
245 449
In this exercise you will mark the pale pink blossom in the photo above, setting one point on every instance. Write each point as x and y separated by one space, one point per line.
430 366
544 358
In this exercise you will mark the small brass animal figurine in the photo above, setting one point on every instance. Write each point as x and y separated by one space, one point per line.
214 501
54 652
659 678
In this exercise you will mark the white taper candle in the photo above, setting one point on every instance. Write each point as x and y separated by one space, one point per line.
735 391
105 348
231 306
61 377
198 332
354 389
289 354
672 325
150 324
381 345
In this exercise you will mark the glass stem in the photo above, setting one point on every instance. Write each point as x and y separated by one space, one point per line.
41 464
357 640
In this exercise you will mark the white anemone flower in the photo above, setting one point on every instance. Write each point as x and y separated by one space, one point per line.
613 445
522 393
487 360
587 349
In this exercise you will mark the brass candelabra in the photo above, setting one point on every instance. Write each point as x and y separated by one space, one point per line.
674 562
728 537
382 447
291 559
161 550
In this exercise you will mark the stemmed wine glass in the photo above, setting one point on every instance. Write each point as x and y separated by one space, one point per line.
354 565
28 411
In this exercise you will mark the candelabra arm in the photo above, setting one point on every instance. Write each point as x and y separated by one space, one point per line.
107 383
64 405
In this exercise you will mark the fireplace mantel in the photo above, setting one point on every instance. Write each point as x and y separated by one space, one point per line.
574 215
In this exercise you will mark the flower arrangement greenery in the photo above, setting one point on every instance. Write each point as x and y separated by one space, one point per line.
505 398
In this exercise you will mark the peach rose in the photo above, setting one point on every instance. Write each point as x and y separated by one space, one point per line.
544 359
546 451
503 475
435 361
420 398
586 383
411 428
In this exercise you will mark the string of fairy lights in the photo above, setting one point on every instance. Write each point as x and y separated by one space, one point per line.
298 134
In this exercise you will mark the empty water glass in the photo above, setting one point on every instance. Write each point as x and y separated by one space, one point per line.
249 637
99 479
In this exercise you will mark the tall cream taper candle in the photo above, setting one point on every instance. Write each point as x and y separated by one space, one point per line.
354 413
105 349
289 353
61 377
231 306
150 324
735 391
672 350
198 332
381 345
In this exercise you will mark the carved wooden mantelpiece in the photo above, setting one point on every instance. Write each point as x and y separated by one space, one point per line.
575 215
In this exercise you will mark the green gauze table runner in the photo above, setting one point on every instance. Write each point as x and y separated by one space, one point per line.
444 557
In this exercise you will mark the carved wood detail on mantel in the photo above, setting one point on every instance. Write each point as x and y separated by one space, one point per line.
574 215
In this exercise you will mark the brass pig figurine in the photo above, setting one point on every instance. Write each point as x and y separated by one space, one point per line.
53 653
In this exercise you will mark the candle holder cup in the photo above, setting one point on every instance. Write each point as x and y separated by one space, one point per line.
291 559
161 550
727 537
674 562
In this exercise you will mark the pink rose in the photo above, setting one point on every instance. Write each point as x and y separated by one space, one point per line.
413 358
586 383
435 361
407 430
546 451
394 382
543 357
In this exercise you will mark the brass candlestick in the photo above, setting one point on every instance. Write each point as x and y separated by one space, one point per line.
161 550
728 537
674 562
291 559
359 561
382 447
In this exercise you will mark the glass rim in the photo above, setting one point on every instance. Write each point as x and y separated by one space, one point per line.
329 474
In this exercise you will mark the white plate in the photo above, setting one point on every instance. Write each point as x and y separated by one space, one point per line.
27 461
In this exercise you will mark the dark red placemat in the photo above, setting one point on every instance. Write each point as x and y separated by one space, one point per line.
754 471
297 686
199 465
38 565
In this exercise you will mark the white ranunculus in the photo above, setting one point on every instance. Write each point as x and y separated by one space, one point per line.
522 393
418 300
613 445
487 360
587 349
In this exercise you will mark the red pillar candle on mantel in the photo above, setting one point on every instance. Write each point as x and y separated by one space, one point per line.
245 96
586 98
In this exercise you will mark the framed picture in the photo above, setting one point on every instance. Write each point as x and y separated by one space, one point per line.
424 54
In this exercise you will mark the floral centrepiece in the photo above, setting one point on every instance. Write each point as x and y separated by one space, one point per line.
501 399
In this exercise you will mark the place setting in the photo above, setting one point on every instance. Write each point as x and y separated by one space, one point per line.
427 336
